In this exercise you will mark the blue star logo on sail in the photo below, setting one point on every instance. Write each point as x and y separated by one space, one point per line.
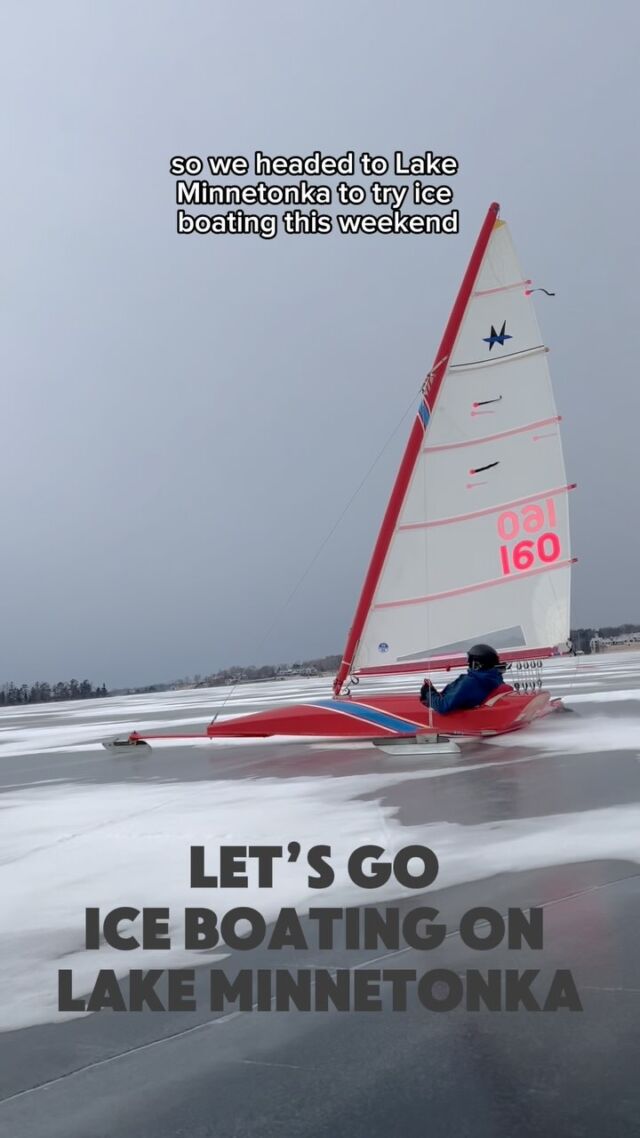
497 337
383 647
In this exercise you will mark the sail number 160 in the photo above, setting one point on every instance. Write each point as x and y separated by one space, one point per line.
524 552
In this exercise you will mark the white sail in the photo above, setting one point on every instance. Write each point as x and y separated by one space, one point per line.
480 548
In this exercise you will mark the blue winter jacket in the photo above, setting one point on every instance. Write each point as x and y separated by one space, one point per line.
469 690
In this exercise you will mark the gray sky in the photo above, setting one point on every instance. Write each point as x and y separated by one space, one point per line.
183 419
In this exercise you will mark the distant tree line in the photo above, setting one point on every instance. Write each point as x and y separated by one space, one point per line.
247 673
42 692
254 673
240 674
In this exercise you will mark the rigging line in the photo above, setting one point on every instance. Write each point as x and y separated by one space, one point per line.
331 532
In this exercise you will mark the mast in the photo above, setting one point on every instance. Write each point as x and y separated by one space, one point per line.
431 388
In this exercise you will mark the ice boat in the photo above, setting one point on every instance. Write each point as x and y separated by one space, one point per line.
474 543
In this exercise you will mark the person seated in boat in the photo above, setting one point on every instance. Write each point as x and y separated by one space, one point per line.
471 689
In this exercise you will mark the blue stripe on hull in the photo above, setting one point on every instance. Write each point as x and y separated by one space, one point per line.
370 715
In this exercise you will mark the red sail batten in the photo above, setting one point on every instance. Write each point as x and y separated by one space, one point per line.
414 445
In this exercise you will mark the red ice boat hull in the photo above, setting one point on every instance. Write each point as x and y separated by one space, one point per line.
386 716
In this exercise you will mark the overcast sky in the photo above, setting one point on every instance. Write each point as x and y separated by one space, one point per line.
184 419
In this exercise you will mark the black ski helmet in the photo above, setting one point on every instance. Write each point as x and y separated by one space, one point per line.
482 657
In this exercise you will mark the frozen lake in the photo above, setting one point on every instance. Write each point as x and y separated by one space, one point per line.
548 816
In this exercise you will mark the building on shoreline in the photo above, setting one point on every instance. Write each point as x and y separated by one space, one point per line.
627 642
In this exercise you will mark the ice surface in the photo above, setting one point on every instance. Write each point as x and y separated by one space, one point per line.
65 846
564 734
37 740
603 696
